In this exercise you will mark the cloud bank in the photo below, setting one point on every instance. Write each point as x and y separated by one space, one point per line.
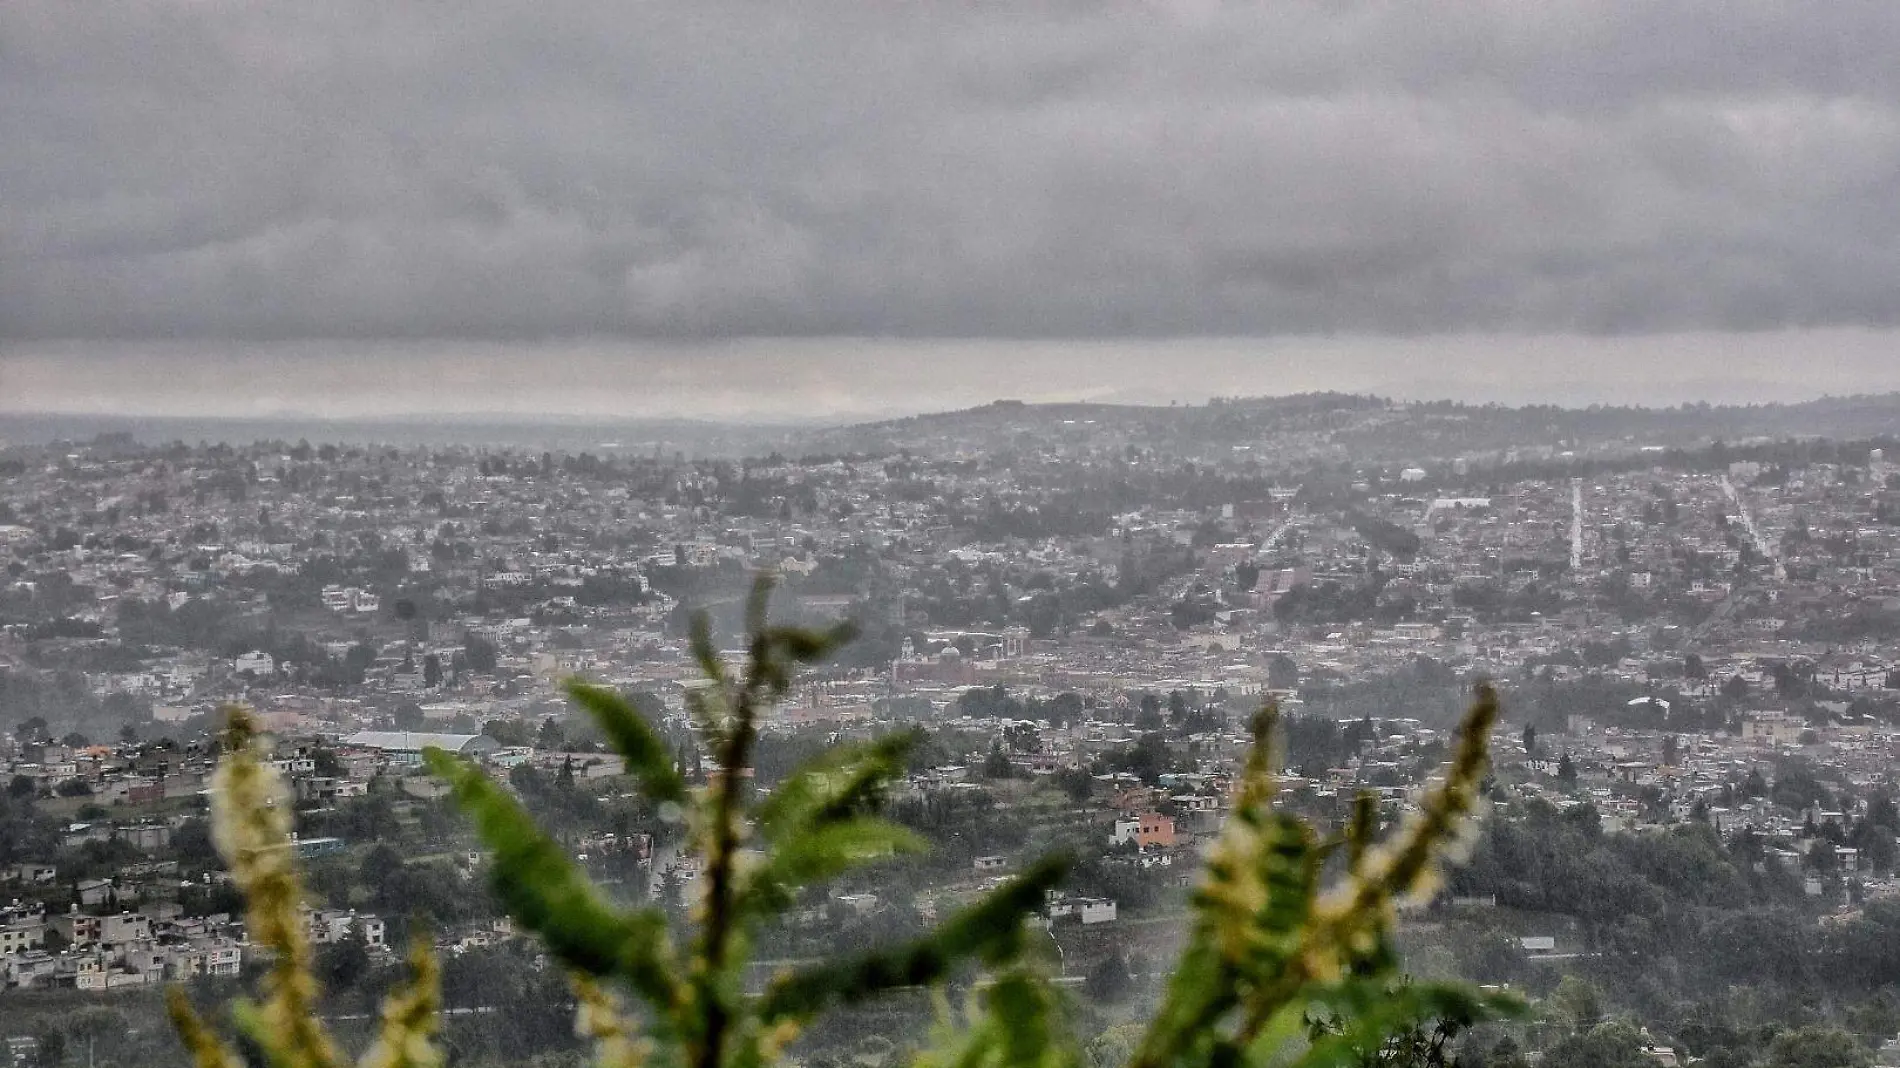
349 170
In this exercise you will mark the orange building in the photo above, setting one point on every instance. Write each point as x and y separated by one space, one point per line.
1146 830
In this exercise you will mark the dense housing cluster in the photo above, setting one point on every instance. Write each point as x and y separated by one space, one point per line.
1693 617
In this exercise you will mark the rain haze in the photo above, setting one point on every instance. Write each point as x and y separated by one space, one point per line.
816 209
950 534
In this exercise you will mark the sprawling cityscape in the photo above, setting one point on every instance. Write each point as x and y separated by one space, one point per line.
1690 614
841 534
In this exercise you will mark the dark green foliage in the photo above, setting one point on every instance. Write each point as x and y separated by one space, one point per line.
1611 1044
1818 1047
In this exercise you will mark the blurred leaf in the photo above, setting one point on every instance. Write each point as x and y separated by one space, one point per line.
410 1017
635 739
989 931
819 853
1365 1013
548 895
840 783
710 706
206 1048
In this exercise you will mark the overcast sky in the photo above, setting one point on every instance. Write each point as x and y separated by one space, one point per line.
346 206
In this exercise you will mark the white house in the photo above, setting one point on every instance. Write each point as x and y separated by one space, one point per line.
256 662
1090 910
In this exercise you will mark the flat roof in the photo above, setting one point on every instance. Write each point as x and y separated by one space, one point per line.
417 741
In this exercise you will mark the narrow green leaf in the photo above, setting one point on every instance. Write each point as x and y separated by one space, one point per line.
550 896
840 783
820 853
1201 990
1364 827
797 643
841 633
1369 1011
1026 1014
699 638
757 603
804 646
634 739
710 712
989 931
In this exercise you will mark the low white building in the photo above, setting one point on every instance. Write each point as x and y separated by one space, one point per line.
256 662
1089 910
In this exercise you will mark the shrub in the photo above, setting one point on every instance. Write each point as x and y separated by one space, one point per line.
1280 967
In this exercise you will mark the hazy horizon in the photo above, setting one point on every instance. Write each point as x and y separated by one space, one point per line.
818 380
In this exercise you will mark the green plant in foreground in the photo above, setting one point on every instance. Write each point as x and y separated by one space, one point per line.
251 822
1279 969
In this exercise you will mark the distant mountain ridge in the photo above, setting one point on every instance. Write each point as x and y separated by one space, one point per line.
1370 426
541 432
1377 425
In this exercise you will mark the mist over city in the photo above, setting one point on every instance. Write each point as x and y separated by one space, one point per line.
1162 534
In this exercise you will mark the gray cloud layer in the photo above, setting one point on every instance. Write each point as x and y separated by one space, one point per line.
487 170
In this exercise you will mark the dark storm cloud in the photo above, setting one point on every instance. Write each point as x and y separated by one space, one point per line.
483 170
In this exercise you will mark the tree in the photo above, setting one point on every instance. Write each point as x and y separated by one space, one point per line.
22 787
1530 741
343 963
1023 738
1149 718
1425 1044
1282 672
1575 1005
1670 750
49 1047
1108 980
481 654
1247 979
381 873
1735 688
508 732
1818 1047
1505 1054
325 762
1076 782
1566 770
432 671
191 843
1755 784
1611 1044
1693 667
